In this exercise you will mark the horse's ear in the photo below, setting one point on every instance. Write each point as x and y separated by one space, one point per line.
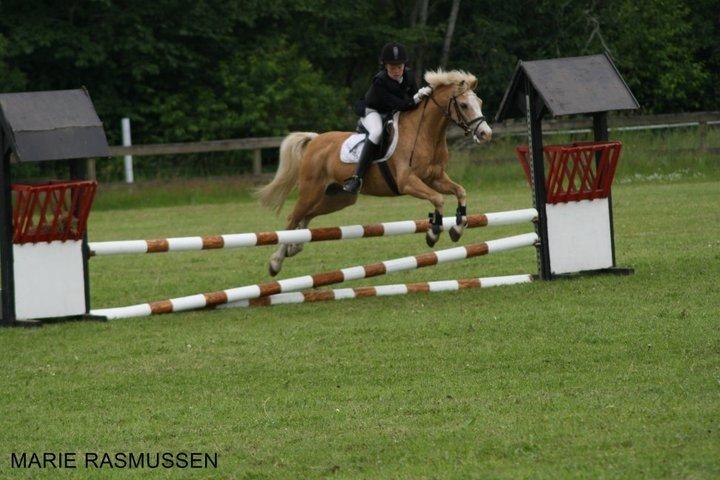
474 84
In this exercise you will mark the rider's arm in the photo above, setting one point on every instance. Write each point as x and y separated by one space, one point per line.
412 87
391 101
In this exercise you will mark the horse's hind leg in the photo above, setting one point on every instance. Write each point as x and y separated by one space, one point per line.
445 185
324 205
297 219
295 248
276 260
312 202
285 250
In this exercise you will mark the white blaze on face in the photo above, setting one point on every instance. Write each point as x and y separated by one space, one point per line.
482 132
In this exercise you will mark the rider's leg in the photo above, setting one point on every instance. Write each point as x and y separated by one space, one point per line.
373 124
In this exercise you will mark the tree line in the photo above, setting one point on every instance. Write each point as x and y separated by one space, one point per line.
187 70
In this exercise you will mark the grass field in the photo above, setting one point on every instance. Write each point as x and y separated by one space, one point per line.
602 377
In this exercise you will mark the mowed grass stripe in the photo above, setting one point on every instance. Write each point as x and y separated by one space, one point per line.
597 377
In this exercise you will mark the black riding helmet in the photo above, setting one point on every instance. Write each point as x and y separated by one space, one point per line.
393 53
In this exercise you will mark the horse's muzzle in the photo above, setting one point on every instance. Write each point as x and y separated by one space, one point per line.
483 135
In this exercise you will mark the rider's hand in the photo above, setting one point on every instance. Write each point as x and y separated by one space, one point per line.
425 92
422 93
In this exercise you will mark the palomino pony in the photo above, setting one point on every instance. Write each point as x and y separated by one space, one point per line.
311 161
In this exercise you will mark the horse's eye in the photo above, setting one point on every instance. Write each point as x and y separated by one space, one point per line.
463 105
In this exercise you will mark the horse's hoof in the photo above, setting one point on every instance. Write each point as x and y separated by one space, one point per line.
274 268
431 239
455 233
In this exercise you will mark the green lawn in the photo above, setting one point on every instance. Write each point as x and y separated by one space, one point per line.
610 377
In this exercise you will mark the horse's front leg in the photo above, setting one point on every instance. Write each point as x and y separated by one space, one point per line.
444 184
412 185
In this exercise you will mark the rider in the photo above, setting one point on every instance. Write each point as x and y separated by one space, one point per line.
392 89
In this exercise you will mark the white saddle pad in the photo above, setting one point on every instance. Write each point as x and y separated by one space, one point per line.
352 147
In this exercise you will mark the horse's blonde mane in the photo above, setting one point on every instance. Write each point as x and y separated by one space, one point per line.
461 79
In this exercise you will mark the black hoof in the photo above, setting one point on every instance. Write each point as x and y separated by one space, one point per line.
454 234
431 241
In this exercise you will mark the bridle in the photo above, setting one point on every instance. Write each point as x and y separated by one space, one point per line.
466 125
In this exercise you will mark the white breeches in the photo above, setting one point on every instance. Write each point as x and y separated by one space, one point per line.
373 123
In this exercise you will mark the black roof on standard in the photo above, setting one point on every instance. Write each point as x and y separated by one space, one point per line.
53 125
568 86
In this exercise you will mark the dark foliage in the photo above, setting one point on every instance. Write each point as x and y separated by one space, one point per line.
187 70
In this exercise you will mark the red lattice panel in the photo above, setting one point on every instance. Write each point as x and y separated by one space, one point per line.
579 171
51 211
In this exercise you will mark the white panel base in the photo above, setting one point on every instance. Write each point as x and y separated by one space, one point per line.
49 280
579 236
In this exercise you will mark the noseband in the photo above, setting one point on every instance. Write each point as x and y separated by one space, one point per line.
466 125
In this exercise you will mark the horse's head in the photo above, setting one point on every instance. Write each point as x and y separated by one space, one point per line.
454 93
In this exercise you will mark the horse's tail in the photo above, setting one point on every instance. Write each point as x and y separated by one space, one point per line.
292 148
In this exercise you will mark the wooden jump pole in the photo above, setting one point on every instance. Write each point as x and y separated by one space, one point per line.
237 240
379 291
213 299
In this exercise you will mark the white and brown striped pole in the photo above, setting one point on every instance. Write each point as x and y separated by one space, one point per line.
213 299
305 235
379 291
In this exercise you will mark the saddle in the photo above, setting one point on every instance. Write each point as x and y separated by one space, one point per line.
351 148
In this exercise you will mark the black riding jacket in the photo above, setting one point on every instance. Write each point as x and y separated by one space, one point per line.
386 95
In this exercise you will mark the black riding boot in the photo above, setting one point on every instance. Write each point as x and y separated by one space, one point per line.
352 185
